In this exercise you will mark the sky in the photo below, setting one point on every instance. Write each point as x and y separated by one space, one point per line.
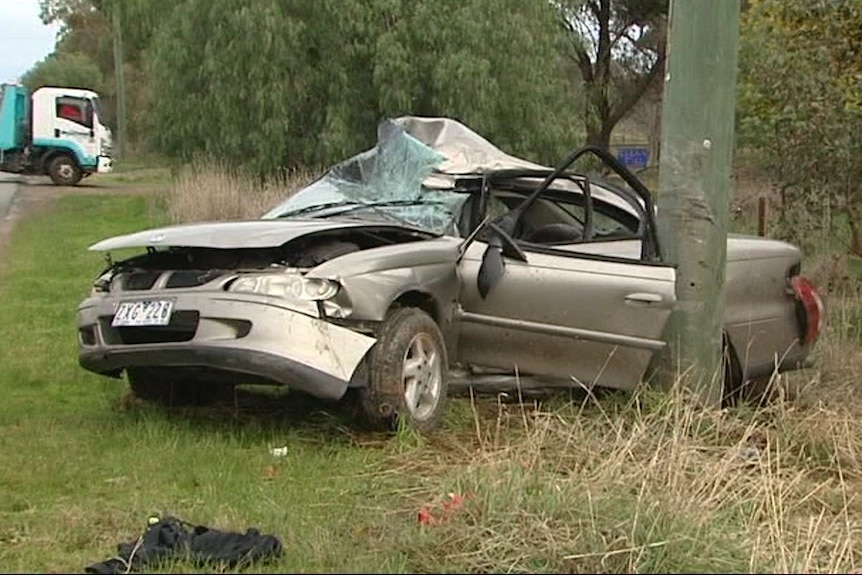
24 40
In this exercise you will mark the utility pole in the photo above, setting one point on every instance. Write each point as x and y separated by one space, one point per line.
697 138
120 78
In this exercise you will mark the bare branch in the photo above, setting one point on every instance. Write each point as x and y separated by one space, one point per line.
580 55
603 52
582 59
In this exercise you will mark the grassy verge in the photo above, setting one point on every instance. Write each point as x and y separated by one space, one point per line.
137 170
83 470
627 483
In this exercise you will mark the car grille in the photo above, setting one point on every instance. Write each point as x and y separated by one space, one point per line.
139 280
182 327
145 280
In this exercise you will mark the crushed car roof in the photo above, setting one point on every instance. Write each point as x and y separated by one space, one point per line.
464 151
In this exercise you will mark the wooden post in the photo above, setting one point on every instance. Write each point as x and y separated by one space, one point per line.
761 216
694 181
120 78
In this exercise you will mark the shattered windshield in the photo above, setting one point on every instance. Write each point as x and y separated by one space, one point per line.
384 183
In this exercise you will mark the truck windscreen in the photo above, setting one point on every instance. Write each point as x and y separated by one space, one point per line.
97 109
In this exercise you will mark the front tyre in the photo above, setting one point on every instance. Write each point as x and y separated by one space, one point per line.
64 171
408 373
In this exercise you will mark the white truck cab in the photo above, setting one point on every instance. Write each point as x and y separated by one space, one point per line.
57 132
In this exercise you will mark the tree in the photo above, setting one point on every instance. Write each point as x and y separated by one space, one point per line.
86 28
268 85
83 30
68 70
800 109
143 17
618 48
493 64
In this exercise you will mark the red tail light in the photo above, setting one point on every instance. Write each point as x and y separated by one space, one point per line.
810 309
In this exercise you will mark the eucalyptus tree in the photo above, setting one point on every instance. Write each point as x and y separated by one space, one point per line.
800 111
270 84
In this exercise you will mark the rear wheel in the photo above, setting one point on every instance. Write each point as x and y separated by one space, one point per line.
407 373
64 171
737 390
165 387
733 392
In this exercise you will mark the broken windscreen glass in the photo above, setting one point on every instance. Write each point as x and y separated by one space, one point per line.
385 182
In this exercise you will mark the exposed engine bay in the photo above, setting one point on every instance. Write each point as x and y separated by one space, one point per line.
204 264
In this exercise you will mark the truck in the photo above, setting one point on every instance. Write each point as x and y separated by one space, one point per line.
55 131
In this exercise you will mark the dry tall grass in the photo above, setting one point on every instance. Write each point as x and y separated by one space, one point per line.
649 483
209 191
652 485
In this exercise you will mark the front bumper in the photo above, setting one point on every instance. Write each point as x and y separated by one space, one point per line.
104 165
236 333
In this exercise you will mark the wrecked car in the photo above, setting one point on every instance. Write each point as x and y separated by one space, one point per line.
431 260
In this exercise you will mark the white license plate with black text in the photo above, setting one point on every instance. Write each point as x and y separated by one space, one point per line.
138 313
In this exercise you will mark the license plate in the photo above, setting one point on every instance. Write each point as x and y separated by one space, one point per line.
137 313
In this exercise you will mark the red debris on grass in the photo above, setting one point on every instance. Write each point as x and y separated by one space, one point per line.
429 515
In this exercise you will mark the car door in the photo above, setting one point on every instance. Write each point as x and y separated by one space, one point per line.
589 311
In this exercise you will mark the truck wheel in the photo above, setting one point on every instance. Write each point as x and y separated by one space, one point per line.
164 388
64 171
408 371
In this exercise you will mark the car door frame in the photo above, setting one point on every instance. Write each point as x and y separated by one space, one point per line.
645 288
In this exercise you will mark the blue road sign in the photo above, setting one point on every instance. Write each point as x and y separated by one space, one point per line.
633 157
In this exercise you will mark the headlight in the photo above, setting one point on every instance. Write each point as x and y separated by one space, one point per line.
290 286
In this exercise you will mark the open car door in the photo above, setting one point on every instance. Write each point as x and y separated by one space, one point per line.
566 283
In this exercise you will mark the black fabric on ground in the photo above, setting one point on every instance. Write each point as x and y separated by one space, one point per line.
170 538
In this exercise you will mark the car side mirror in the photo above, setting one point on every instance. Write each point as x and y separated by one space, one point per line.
493 263
491 270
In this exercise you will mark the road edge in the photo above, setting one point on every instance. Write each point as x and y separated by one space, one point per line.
8 191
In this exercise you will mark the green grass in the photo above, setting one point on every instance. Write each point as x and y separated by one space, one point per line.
82 472
629 483
135 170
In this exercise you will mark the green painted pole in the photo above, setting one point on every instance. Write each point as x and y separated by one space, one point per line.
697 139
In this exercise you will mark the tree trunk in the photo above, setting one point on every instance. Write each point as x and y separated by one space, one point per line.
598 121
600 137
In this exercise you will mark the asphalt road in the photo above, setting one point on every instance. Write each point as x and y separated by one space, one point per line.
8 188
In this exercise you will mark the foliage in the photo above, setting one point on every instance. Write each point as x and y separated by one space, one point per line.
138 18
800 108
273 85
65 69
618 50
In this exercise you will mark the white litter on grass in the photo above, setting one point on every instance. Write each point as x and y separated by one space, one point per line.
278 451
749 454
